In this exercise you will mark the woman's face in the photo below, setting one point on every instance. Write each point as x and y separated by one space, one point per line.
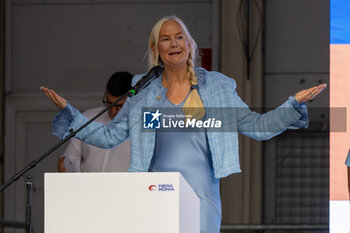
173 46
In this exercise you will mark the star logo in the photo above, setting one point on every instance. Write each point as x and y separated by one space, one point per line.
151 120
156 115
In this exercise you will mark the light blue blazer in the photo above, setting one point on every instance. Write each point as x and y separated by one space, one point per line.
217 91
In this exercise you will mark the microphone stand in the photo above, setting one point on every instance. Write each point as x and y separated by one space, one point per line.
144 82
29 180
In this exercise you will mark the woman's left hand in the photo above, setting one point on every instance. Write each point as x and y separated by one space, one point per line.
309 94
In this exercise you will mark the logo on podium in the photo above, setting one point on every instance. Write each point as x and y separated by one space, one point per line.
152 188
161 187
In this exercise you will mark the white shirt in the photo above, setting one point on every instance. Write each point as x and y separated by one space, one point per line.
82 157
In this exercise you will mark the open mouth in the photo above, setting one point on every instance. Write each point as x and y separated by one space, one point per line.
174 53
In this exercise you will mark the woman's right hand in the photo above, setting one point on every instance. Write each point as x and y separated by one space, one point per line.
57 100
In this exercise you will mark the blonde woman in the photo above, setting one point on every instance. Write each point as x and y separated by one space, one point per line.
203 157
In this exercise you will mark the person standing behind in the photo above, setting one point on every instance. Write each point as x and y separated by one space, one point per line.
82 157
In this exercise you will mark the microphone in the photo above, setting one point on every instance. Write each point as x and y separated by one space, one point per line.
146 80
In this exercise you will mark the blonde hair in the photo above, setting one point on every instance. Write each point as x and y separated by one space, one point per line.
193 105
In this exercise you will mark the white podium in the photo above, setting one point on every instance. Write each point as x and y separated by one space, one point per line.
120 202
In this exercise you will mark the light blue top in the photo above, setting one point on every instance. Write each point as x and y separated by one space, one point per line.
347 162
187 151
216 90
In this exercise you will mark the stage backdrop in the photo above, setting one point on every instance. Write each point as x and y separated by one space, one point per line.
339 101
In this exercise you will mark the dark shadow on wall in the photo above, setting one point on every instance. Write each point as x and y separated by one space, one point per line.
2 106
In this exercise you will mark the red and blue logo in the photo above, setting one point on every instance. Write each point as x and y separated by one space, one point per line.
161 187
152 188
